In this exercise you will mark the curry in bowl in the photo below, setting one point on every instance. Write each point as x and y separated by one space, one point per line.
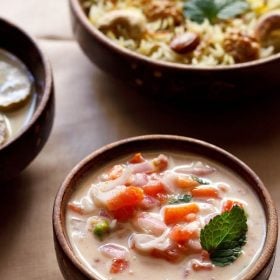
193 32
184 213
17 96
26 100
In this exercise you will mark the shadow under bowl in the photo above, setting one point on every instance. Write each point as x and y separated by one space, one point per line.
172 81
70 265
17 153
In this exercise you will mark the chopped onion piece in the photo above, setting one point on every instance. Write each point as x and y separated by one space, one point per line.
101 197
148 242
114 251
197 168
110 185
150 223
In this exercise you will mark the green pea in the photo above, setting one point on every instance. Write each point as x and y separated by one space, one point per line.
101 228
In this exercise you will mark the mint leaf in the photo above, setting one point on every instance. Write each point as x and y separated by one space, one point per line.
178 199
199 180
225 257
224 236
198 10
232 9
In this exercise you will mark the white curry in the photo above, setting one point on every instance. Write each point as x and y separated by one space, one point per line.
141 217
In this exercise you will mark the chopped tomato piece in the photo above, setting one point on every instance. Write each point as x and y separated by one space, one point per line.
185 183
177 214
153 188
205 191
180 235
137 158
171 254
228 204
124 213
118 265
115 172
76 208
131 196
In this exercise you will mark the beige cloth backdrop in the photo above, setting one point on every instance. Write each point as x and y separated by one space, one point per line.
93 110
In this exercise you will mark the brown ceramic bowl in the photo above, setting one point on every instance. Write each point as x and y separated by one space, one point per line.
170 80
17 153
73 269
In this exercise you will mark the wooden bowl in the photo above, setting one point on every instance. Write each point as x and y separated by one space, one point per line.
70 265
170 80
17 153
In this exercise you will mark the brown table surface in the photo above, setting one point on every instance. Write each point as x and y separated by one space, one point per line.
93 110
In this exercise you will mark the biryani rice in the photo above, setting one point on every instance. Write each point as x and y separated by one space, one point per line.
155 42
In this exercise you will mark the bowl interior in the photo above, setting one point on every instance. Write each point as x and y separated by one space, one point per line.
166 143
18 43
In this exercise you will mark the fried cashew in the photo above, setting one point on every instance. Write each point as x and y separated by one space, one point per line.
160 9
131 22
242 47
267 30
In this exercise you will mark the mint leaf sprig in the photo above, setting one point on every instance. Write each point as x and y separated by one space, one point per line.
213 10
224 236
178 199
201 181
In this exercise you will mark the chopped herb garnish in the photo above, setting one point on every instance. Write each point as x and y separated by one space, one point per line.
101 228
213 10
201 181
224 236
178 199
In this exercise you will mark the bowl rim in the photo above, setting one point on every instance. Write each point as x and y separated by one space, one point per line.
270 242
79 12
48 82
